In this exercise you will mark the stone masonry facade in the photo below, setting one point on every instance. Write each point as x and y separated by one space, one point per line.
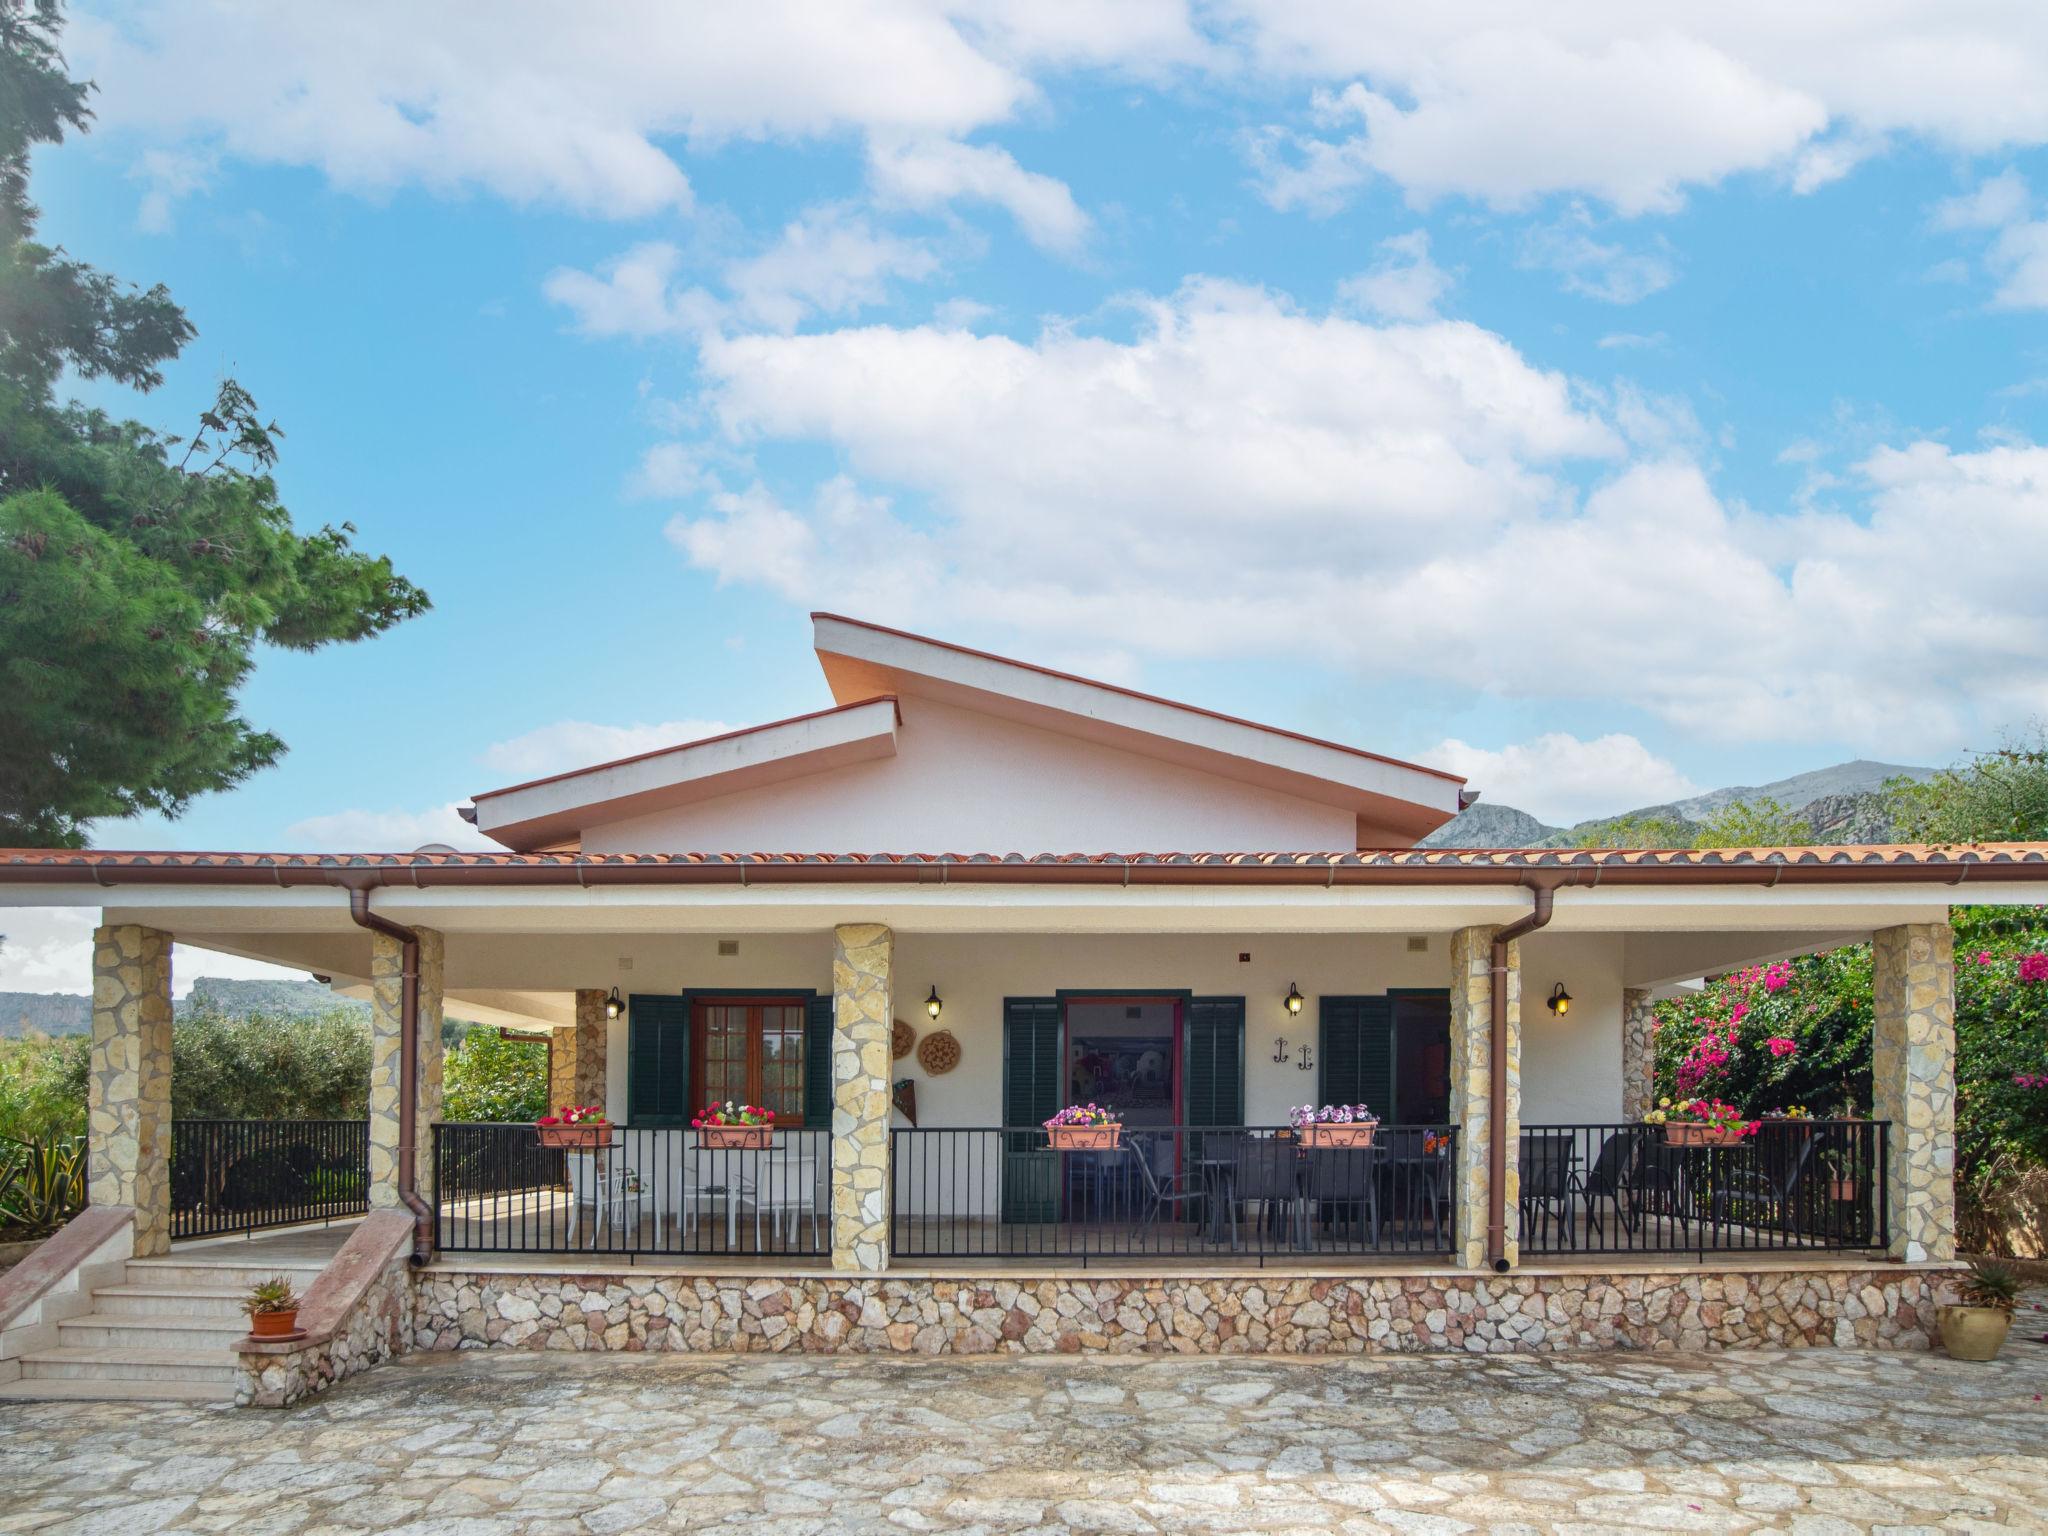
1474 1314
576 1059
129 1079
379 1327
861 965
386 992
1638 1053
1471 1079
1913 1053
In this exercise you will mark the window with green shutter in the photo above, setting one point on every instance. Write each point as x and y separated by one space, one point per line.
658 1060
1031 1096
1212 1086
818 1065
1355 1051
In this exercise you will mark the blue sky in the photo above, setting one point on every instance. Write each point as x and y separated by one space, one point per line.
1597 407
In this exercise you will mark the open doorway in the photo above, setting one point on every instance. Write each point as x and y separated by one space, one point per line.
1125 1052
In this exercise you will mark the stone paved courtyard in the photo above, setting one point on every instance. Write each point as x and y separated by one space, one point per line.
496 1444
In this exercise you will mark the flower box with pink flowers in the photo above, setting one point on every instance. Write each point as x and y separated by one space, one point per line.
1334 1125
731 1127
1084 1128
1700 1123
575 1128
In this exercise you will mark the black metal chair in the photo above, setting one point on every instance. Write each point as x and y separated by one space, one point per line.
1169 1195
1762 1189
1270 1173
1343 1185
1546 1169
1633 1175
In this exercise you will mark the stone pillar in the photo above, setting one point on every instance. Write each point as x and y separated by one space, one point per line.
1638 1053
386 1027
577 1062
128 1148
1471 1081
861 1181
1913 1081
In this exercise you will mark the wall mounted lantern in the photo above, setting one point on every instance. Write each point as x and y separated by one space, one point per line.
1294 999
1560 1001
614 1005
932 1004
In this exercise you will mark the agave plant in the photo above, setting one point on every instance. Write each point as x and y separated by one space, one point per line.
1991 1284
42 1182
272 1295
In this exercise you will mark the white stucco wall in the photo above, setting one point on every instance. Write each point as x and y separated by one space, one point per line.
965 782
1571 1068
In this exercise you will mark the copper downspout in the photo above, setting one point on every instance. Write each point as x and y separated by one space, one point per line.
408 1065
1497 1075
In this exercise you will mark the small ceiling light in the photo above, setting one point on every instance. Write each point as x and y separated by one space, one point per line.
932 1005
1294 998
1560 1001
614 1005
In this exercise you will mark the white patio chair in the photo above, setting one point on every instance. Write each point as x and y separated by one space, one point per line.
613 1194
783 1184
705 1178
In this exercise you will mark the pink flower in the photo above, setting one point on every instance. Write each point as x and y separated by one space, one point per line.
1780 1046
1738 1013
2034 967
1983 957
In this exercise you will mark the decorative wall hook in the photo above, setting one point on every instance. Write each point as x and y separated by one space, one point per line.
1304 1065
1280 1048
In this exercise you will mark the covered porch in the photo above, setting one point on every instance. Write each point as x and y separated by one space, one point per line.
1208 1009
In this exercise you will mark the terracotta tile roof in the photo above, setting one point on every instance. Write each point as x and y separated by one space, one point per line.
1416 865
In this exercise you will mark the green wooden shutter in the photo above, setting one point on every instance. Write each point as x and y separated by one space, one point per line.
1212 1090
1031 1096
1356 1049
658 1060
818 1064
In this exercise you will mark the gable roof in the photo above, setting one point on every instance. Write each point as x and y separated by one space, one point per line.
869 665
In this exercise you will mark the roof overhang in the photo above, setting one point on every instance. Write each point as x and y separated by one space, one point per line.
864 661
551 812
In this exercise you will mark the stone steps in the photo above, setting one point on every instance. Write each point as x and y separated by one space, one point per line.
170 1301
102 1330
106 1390
130 1363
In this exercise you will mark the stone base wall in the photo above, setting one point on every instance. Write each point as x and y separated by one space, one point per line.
379 1327
1474 1314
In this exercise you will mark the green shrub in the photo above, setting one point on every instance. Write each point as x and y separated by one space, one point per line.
42 1087
42 1183
491 1078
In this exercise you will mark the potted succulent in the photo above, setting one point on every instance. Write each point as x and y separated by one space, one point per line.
273 1308
1700 1122
731 1127
1084 1128
580 1127
1334 1125
1974 1326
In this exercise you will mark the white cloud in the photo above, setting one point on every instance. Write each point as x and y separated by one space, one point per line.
1562 780
1598 269
927 173
1404 284
49 949
567 744
2018 254
1632 105
831 261
630 295
383 831
1397 499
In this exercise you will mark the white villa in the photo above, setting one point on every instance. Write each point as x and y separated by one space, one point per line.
914 925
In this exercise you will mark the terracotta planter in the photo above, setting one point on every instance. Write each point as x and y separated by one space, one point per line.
576 1138
1974 1333
736 1138
274 1325
1353 1135
1085 1138
1695 1133
1847 1191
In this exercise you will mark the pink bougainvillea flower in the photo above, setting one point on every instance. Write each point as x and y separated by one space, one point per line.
2034 967
1780 1046
1983 957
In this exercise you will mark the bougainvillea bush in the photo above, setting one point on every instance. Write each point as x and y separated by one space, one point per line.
1796 1032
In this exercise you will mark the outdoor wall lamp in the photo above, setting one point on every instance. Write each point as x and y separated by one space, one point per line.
614 1005
1294 999
1560 1001
932 1004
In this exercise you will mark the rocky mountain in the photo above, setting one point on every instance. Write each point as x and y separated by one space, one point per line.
1842 803
65 1013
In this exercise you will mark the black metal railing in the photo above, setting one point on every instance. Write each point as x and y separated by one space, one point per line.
244 1175
647 1193
1231 1194
1793 1184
